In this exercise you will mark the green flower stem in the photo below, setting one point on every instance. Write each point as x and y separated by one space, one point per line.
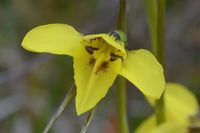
160 108
160 30
121 82
121 22
88 121
121 105
151 11
68 98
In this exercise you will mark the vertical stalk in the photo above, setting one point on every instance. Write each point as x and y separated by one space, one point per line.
160 30
151 11
160 108
121 82
121 22
121 105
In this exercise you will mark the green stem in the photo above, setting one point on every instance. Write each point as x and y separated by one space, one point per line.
121 105
160 108
151 11
121 22
68 98
160 30
121 82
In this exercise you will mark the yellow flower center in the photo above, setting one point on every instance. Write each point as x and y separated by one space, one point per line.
102 54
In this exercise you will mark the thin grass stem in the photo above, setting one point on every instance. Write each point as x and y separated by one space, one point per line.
88 121
68 98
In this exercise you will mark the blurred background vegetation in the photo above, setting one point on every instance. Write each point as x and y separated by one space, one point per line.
33 85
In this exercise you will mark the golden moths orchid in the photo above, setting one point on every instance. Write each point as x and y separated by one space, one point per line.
181 109
97 60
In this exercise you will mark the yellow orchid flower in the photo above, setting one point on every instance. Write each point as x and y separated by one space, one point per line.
181 108
97 60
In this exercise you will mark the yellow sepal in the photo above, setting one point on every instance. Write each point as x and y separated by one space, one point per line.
53 38
143 70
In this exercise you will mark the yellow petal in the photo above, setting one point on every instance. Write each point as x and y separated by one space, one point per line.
143 70
180 102
92 79
149 126
109 40
52 38
171 127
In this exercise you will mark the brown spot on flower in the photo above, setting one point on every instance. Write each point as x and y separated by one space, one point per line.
194 129
92 62
194 123
102 67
